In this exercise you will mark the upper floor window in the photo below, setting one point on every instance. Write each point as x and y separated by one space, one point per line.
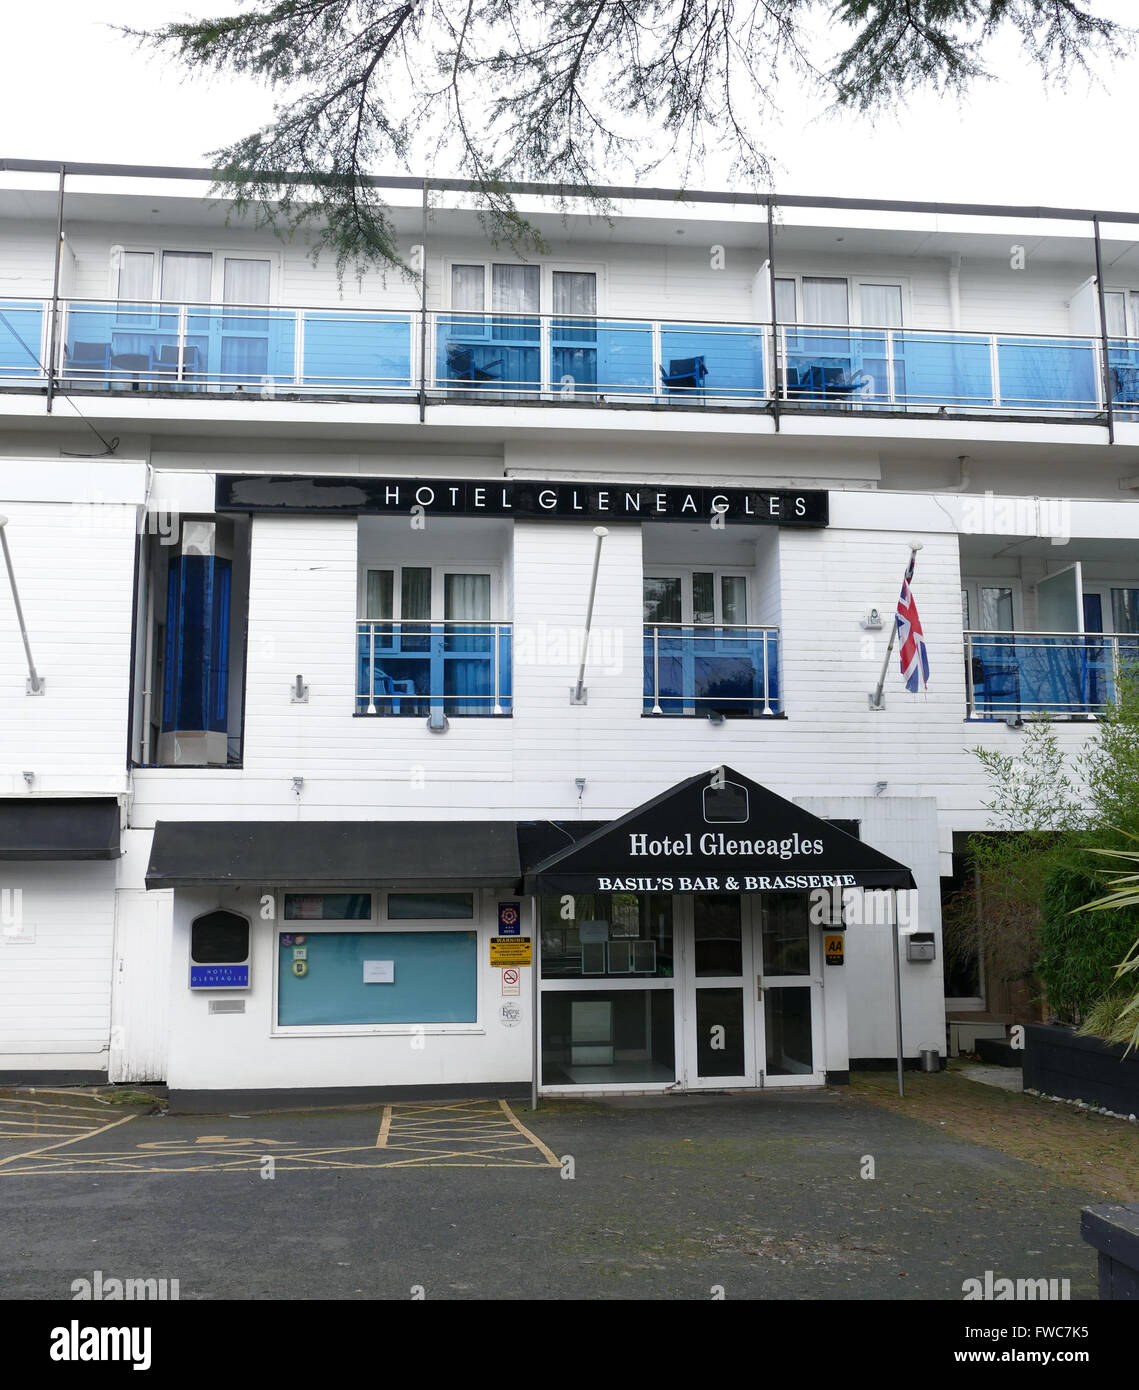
193 277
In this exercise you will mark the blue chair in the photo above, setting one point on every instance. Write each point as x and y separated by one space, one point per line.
87 360
684 374
164 363
461 366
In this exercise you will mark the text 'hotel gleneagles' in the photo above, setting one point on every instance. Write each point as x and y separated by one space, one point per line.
439 690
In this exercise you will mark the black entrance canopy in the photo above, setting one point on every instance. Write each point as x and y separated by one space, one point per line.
334 854
59 828
717 832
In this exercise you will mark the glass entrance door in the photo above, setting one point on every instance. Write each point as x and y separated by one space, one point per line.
753 1011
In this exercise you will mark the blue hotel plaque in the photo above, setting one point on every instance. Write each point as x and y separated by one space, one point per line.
219 976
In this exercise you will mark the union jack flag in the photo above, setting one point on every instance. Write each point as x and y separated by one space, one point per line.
911 640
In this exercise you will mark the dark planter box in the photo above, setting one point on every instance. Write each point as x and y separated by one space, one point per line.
1060 1063
998 1053
1114 1231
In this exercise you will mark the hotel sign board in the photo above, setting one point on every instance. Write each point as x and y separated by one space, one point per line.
522 498
718 832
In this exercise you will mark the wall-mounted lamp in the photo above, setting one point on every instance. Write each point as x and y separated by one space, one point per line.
298 785
716 718
299 692
880 787
438 722
29 778
872 621
1014 721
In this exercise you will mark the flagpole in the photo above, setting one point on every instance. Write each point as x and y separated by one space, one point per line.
876 698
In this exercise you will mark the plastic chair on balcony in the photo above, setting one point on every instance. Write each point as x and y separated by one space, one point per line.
461 366
87 360
164 364
685 374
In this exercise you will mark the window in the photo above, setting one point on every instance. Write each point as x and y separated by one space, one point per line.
997 609
427 977
355 960
609 934
697 596
319 907
420 593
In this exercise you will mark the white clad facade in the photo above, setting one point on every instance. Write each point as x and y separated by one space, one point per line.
333 662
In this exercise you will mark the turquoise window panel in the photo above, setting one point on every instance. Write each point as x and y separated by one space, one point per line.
436 976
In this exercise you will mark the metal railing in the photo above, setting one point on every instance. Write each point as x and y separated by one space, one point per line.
411 667
727 669
1012 674
120 345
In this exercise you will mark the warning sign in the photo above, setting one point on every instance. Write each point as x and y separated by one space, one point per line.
510 950
511 980
833 947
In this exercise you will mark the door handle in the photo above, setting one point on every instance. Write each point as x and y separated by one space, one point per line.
759 989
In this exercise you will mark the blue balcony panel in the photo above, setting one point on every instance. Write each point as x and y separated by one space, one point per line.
1014 674
693 669
415 668
21 339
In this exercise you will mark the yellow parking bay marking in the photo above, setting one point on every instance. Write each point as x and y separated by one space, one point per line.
75 1139
22 1117
468 1134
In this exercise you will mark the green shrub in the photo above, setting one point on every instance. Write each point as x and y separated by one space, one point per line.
1079 951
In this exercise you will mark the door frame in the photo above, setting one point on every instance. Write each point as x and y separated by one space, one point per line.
756 1074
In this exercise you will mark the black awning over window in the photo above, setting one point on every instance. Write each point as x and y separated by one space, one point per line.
334 854
40 827
722 832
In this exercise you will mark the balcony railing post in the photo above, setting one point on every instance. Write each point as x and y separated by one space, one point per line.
656 672
766 680
298 347
891 394
657 360
497 696
182 323
995 369
971 694
371 668
1114 666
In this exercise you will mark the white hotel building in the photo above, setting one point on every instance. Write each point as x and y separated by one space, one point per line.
299 749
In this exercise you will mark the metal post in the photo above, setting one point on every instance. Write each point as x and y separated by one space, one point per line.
656 671
896 940
972 702
497 692
577 694
35 680
53 337
766 680
423 316
776 392
1107 391
371 668
535 957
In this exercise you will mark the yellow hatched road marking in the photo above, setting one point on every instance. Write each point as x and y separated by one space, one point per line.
14 1158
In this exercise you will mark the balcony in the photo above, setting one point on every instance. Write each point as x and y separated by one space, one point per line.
1009 675
725 670
260 351
433 668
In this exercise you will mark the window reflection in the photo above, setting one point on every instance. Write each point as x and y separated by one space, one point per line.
607 935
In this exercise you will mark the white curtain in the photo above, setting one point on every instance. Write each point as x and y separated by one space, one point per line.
186 277
246 282
515 289
785 301
415 593
733 591
378 600
136 275
1116 305
468 290
824 301
575 292
466 597
882 306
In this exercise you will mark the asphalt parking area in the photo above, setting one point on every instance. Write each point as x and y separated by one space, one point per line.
480 1133
760 1196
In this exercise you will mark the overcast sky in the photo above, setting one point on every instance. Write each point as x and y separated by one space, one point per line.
74 90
